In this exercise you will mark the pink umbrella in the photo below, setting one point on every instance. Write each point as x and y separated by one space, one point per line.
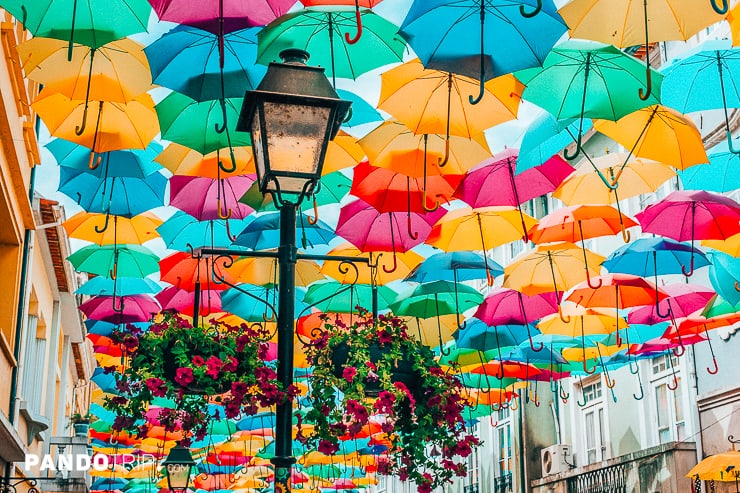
691 215
221 16
181 300
505 306
122 310
206 198
683 300
373 231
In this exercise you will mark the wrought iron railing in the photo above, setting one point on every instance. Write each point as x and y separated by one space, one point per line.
502 484
612 479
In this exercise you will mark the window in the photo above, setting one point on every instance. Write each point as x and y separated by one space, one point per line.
33 363
669 409
591 392
594 420
472 480
503 446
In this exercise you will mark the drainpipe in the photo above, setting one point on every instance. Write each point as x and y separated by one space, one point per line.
27 238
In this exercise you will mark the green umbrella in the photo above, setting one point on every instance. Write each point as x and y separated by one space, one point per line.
321 33
115 260
587 79
88 22
333 297
196 124
436 298
333 188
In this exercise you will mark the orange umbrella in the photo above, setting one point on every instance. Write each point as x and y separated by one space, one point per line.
580 222
343 152
93 227
181 160
185 271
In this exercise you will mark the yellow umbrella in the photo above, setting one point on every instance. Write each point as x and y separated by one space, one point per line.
718 467
264 271
733 17
479 229
588 183
181 160
118 71
114 126
393 145
93 227
551 267
582 322
660 133
384 272
342 152
730 246
432 102
432 332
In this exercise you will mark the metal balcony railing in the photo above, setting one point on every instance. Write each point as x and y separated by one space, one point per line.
612 479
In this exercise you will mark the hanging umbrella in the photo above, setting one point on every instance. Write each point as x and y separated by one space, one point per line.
361 111
626 23
481 39
393 191
435 298
221 16
582 79
181 160
332 188
433 102
580 222
373 231
704 78
546 136
122 196
504 306
455 266
321 33
130 125
730 246
93 227
724 276
332 297
81 21
659 133
121 286
618 291
264 233
123 260
683 300
379 272
718 176
649 257
206 198
551 267
182 301
185 272
263 271
718 467
135 308
135 163
342 152
184 232
691 215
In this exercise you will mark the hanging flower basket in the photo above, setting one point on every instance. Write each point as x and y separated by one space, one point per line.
191 366
372 375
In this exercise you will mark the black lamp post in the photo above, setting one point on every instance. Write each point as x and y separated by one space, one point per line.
178 465
292 116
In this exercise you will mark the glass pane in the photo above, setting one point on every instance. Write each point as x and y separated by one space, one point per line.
295 134
677 401
662 409
590 431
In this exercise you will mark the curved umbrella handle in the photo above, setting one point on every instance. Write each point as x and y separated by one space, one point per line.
94 161
80 129
119 308
674 383
571 157
232 168
411 233
482 90
626 235
313 220
437 203
737 286
536 10
691 265
731 147
228 232
642 394
610 382
443 162
720 9
514 404
113 273
221 128
679 351
645 95
104 227
585 368
588 281
564 318
358 20
393 267
581 404
657 307
221 214
713 371
564 396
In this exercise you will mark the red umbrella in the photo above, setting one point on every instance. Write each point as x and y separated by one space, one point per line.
206 198
185 271
122 310
181 300
691 215
391 191
373 231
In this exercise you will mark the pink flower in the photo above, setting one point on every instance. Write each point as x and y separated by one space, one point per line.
198 360
328 448
349 373
231 364
156 386
214 367
384 337
184 376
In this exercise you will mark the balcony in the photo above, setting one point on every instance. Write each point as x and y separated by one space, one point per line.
661 468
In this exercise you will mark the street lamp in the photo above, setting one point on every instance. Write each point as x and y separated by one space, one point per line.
292 116
178 465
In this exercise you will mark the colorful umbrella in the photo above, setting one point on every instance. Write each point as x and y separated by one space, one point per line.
221 16
546 136
332 297
93 227
381 271
134 308
692 215
683 300
115 260
503 306
480 39
206 198
264 271
455 266
184 232
720 175
135 163
181 160
264 232
580 222
121 286
185 272
436 298
182 301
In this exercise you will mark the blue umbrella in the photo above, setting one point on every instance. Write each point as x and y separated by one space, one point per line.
105 381
184 232
705 78
482 39
264 233
479 335
108 484
545 137
724 275
124 286
186 59
653 257
720 175
103 328
136 163
255 303
121 196
361 111
454 266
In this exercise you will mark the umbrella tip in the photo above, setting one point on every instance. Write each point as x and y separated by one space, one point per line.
295 55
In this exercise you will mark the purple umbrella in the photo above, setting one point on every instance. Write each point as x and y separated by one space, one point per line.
221 16
121 310
208 198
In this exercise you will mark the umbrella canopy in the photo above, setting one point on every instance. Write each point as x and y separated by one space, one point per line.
95 227
648 257
455 266
123 260
618 291
185 271
718 176
264 233
135 163
508 306
183 231
331 296
547 135
436 298
264 271
383 271
221 16
134 308
682 301
181 160
579 222
717 467
206 198
121 286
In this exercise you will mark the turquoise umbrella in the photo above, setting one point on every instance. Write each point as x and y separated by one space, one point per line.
333 297
585 79
184 232
724 275
720 175
115 260
135 163
545 137
122 286
255 303
436 298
